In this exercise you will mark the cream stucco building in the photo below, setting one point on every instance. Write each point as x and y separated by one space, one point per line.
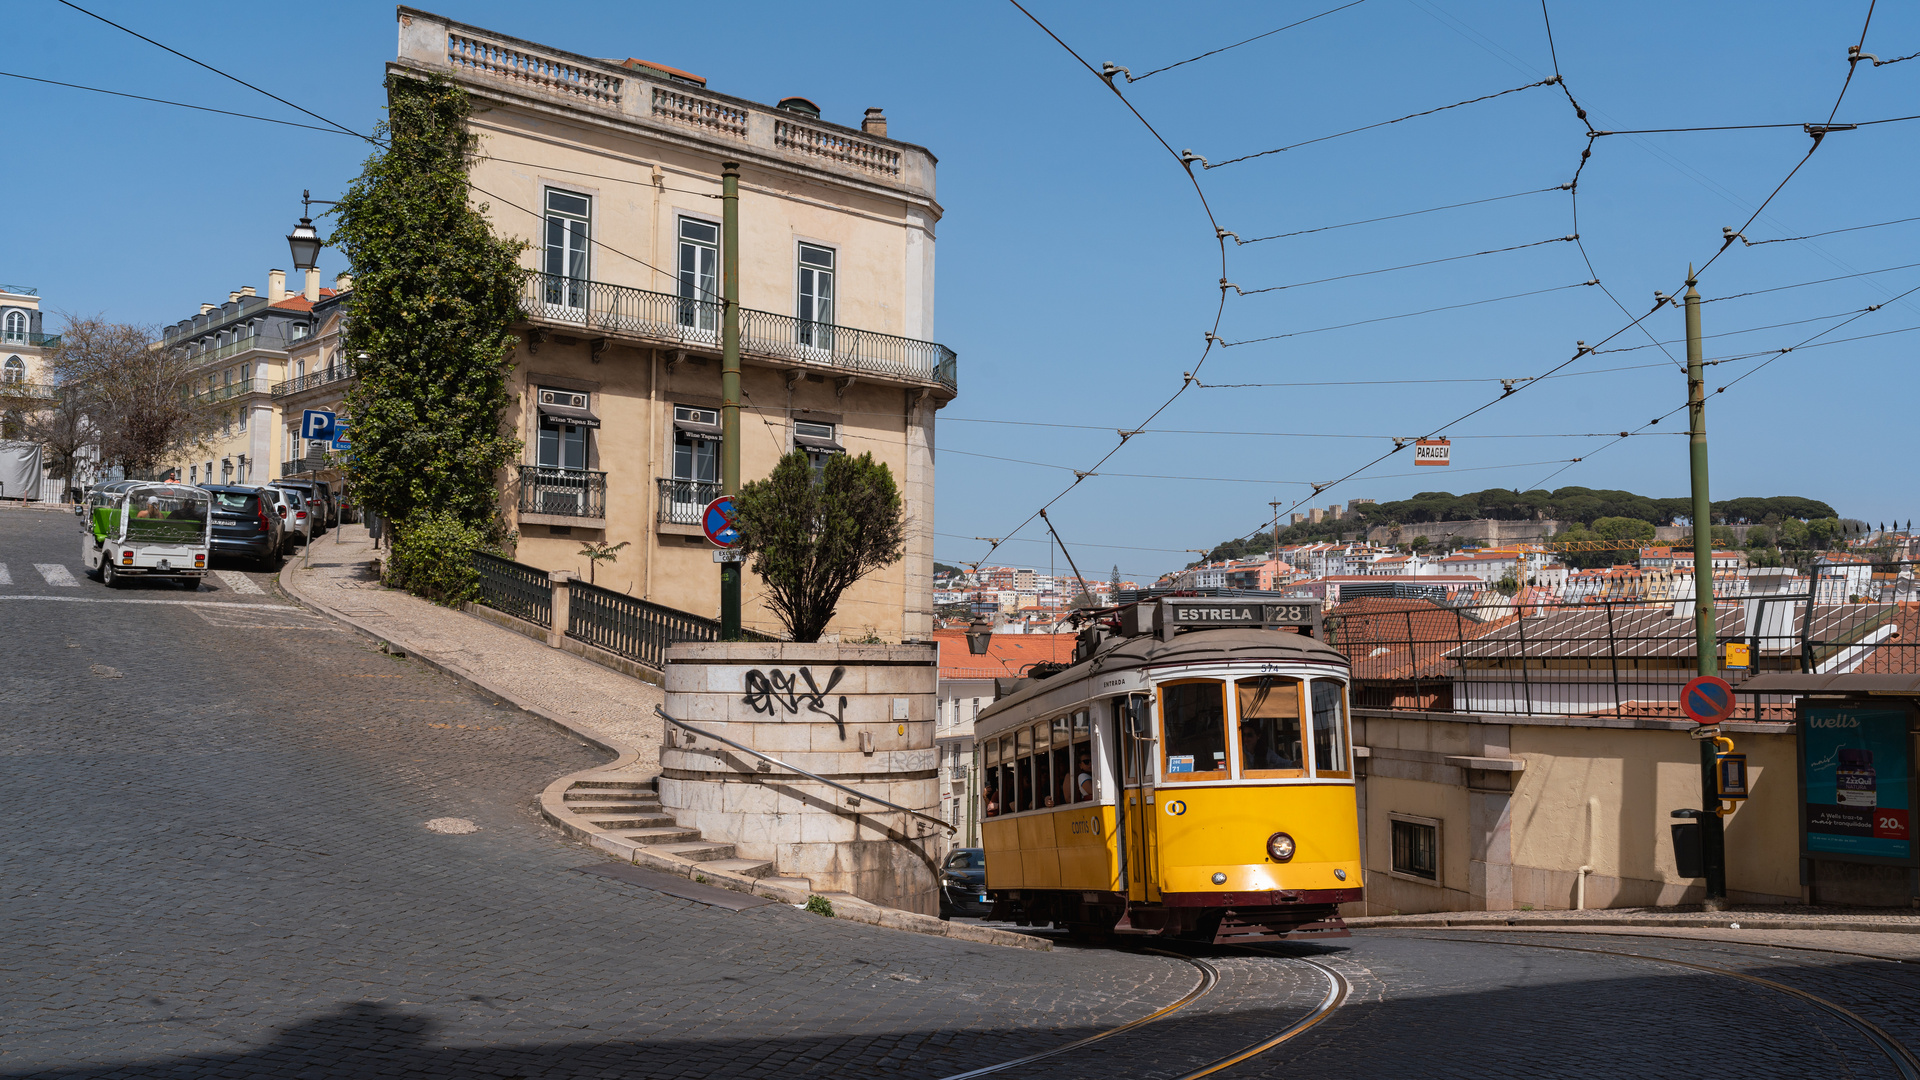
610 170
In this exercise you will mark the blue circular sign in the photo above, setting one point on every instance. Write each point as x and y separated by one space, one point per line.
718 522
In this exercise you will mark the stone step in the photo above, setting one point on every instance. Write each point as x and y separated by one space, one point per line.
603 806
753 868
657 834
621 785
631 821
695 852
621 794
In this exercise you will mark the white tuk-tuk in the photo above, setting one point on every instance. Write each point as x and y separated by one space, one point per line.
142 528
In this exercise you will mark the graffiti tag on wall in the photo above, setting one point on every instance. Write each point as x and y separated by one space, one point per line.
773 692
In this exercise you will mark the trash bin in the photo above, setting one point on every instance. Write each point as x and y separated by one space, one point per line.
1686 850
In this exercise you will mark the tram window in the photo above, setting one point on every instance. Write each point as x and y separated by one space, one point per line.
1193 715
990 782
1329 729
1080 786
1009 787
1270 727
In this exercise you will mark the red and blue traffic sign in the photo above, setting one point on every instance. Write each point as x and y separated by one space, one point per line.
1708 699
718 522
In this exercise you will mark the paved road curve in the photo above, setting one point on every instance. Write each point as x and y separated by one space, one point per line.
216 863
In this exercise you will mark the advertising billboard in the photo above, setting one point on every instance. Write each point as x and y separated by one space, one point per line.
1858 780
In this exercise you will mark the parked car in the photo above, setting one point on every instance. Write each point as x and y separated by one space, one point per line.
328 493
291 508
315 493
243 525
963 884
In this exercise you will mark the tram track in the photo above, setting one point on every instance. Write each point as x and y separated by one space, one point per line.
1904 1060
1334 996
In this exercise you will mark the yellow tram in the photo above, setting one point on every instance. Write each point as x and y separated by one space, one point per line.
1190 773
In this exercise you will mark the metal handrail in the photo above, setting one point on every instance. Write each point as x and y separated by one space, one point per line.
811 776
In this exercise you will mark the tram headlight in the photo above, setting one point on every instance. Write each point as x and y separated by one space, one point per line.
1280 847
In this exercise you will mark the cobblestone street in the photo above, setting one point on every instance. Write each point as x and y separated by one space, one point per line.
219 863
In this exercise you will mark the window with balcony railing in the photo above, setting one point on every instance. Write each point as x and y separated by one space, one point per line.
562 492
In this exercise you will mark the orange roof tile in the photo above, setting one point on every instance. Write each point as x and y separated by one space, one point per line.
1008 655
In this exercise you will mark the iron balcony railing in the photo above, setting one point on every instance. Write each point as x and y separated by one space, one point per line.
33 341
665 319
310 464
547 489
523 592
681 501
13 388
337 373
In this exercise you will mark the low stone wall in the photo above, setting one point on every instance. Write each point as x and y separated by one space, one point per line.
861 715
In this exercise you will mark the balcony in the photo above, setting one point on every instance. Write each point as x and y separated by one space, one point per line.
312 463
338 373
554 496
31 341
235 348
662 320
30 390
683 501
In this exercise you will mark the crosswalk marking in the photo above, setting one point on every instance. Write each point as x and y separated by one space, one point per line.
6 578
56 574
239 582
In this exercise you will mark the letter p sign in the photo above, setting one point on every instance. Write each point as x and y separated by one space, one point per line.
316 424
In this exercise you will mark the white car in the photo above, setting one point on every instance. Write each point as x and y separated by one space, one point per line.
292 508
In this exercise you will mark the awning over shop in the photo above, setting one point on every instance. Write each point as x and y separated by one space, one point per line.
1788 682
697 429
561 415
816 442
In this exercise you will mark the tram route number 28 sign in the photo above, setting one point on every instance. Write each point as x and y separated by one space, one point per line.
1217 613
1859 781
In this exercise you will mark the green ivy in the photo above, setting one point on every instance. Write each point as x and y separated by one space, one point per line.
432 556
434 295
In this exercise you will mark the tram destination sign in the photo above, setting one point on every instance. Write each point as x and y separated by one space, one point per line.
1239 613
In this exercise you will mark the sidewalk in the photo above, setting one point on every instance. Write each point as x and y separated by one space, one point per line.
584 698
1746 916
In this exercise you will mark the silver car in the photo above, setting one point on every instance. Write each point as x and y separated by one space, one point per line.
291 505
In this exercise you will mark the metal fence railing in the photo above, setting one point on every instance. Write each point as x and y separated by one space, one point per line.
691 323
580 493
523 592
337 373
625 625
683 501
1615 658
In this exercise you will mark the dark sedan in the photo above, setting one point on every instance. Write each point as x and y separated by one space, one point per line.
246 525
963 884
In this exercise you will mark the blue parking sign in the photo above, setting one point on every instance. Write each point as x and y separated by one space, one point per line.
316 424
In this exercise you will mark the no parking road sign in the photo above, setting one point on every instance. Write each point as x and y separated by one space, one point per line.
718 522
1708 699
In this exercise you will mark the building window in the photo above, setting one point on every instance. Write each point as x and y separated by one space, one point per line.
699 272
300 330
562 442
567 224
15 328
1416 847
820 441
815 327
16 371
226 423
193 475
243 419
696 463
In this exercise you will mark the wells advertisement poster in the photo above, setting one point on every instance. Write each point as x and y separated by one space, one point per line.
1859 800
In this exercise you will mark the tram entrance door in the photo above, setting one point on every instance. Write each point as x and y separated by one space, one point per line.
1136 743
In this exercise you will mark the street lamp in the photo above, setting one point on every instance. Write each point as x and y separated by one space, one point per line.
979 637
304 241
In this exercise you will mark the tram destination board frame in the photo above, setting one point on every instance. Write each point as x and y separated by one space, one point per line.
1168 615
1857 778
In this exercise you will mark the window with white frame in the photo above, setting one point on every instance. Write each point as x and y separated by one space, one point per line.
569 219
699 274
16 370
14 330
816 296
561 445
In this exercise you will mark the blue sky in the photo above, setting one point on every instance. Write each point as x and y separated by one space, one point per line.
1078 273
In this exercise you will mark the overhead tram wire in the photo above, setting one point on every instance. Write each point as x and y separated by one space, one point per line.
1408 315
1186 164
1829 232
1407 266
1805 284
1370 127
1395 217
1817 134
180 104
217 71
1132 78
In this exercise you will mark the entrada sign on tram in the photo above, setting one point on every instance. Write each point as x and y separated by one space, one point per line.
1708 699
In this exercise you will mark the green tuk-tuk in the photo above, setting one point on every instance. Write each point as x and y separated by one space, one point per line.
142 528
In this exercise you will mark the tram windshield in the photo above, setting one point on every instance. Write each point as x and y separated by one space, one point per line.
1329 729
1270 739
1194 722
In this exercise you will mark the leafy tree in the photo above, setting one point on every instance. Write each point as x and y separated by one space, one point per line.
1760 536
434 295
810 540
138 394
599 551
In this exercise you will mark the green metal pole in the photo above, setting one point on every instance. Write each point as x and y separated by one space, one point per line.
1713 846
730 380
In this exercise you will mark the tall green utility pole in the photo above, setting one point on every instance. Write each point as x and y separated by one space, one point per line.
1706 645
730 380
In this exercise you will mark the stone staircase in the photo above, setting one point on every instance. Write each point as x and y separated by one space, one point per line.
628 813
